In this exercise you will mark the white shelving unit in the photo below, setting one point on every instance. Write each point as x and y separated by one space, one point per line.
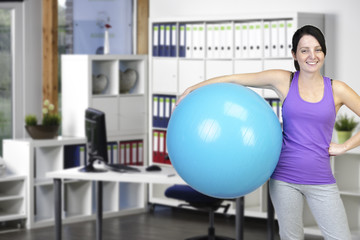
126 114
12 198
172 75
126 119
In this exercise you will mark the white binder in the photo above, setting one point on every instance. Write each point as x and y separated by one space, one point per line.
244 40
222 52
229 40
267 42
216 40
189 40
237 40
201 30
252 39
290 30
274 39
258 40
195 40
282 38
210 41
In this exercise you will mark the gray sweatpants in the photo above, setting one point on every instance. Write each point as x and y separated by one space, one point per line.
324 202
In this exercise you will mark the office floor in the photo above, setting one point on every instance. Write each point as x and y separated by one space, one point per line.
163 223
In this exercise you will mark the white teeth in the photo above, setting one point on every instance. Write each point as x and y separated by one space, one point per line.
312 63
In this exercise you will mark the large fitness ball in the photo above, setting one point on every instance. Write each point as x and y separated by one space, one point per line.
224 140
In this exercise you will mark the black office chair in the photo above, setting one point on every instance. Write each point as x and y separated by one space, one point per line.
199 201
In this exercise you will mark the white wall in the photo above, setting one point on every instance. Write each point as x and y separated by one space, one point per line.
341 20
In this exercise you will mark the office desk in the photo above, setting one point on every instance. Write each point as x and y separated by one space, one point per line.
166 176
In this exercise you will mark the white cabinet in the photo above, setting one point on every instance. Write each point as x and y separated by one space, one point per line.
190 72
79 92
12 198
172 74
164 75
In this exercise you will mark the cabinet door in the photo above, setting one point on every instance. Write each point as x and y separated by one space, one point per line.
249 66
218 68
285 64
109 105
164 75
190 73
132 115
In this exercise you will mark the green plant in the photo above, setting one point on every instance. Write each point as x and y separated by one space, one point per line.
345 123
30 120
49 118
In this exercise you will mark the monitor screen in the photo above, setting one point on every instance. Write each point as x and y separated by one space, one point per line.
95 131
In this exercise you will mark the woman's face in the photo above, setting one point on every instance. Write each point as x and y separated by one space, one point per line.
309 54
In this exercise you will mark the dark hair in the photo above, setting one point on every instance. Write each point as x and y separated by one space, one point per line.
307 30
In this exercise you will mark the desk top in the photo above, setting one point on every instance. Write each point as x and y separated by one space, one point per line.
165 176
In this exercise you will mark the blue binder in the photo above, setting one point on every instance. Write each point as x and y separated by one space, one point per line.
162 40
182 40
156 39
173 40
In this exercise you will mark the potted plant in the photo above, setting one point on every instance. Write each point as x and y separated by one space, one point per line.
344 126
50 123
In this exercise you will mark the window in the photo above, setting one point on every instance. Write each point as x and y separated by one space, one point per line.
11 51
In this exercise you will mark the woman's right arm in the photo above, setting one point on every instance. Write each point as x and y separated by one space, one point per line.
277 80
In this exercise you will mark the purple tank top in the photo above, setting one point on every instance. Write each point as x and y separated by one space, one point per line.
307 133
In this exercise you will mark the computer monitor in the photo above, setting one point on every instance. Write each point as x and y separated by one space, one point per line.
95 131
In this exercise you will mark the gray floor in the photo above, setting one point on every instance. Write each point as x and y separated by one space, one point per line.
163 223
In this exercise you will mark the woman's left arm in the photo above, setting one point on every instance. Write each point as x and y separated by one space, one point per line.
345 95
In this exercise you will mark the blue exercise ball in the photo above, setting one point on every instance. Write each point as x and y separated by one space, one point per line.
224 140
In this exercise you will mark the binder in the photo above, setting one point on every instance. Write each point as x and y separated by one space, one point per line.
140 153
274 39
155 111
275 107
167 160
258 40
237 41
182 40
210 41
167 110
82 151
252 39
109 152
216 34
115 153
161 111
244 40
155 48
167 40
162 40
173 104
222 41
290 30
266 30
155 146
134 155
195 41
122 157
282 38
127 153
162 152
173 40
229 40
201 44
188 42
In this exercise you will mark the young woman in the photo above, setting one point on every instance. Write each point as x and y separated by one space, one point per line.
310 104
